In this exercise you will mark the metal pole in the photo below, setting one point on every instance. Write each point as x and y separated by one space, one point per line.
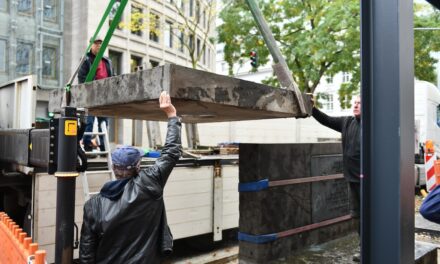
66 180
280 67
387 152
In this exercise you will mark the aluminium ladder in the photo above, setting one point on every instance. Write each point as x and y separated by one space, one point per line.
107 153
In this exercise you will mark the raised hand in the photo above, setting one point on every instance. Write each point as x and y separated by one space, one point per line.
166 105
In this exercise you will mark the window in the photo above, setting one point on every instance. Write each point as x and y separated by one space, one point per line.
24 6
326 101
137 21
50 10
113 14
180 4
191 8
224 67
4 5
50 62
2 55
168 35
154 63
135 63
181 40
197 11
23 58
345 77
191 42
198 47
329 79
154 32
116 58
208 61
438 115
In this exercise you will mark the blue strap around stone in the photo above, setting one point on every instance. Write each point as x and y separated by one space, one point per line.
253 186
257 239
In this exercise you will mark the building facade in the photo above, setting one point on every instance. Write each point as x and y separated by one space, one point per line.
151 33
31 41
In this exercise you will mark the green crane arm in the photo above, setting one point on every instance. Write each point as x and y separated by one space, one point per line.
107 37
113 25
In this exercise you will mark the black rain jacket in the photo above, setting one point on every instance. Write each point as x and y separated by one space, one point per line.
350 128
126 222
87 64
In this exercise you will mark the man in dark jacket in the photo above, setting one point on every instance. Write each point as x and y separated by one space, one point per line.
350 128
103 71
430 208
126 222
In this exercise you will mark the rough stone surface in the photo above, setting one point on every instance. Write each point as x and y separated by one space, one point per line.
425 253
286 207
198 96
284 247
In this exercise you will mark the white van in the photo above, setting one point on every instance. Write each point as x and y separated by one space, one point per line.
427 123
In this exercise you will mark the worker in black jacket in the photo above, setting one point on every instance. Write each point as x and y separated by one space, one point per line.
104 70
126 221
350 128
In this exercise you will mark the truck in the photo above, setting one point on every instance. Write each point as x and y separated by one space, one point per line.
427 125
201 195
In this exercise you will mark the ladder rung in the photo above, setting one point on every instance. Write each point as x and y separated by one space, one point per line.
95 133
96 152
97 172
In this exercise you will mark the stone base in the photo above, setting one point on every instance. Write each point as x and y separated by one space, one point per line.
284 247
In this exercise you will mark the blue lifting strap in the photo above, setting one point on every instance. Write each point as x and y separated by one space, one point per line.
253 186
257 239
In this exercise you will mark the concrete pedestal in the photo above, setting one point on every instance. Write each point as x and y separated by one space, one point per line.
292 206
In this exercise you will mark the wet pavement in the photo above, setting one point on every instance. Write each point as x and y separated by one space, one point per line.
340 251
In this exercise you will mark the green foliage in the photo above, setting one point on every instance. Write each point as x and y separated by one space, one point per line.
426 41
317 37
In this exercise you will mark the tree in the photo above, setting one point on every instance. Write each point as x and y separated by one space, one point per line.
195 30
426 41
318 38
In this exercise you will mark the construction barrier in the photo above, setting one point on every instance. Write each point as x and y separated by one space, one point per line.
437 172
15 246
429 165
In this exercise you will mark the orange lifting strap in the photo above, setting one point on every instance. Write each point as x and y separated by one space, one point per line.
15 246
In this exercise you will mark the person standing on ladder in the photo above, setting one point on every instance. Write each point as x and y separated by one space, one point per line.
103 71
126 222
350 129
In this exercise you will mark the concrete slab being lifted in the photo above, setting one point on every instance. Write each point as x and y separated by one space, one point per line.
199 97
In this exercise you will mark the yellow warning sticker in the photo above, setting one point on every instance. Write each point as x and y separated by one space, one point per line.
70 127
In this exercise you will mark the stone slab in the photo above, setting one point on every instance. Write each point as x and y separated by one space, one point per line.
199 97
